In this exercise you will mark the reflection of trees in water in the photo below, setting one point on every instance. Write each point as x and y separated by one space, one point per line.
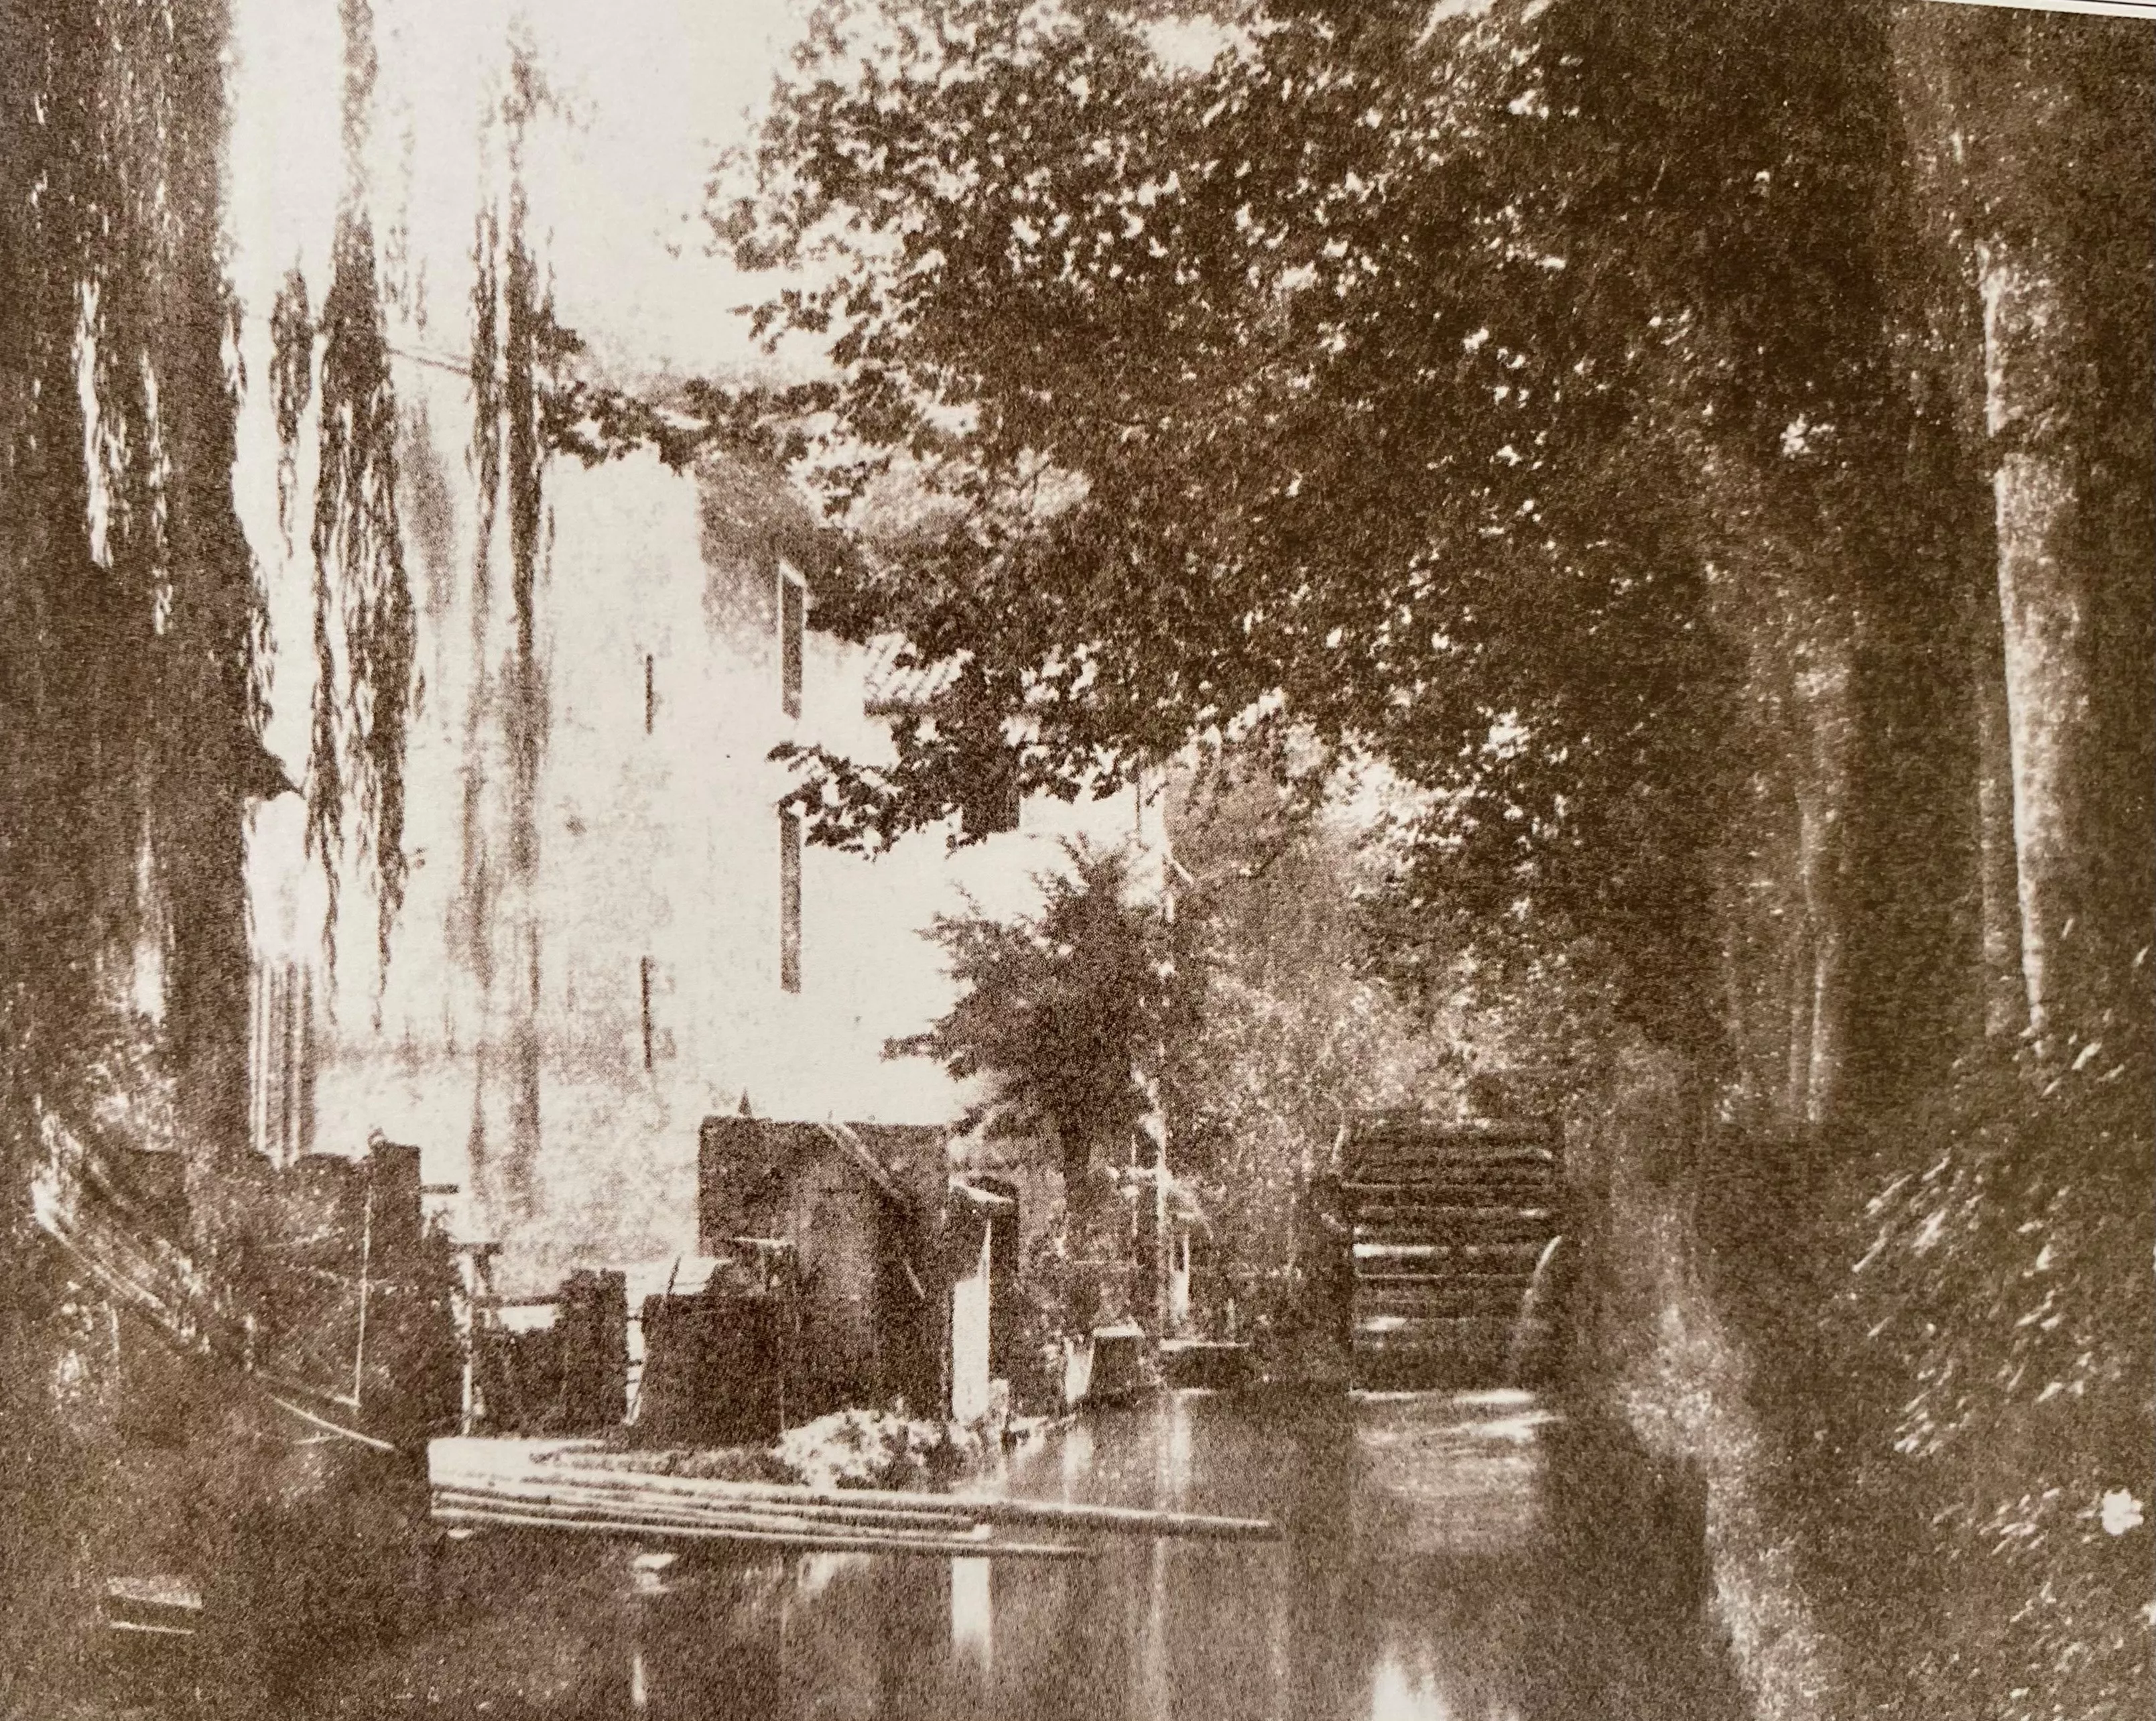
1329 1661
1326 1625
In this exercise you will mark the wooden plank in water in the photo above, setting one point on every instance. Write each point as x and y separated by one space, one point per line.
613 1510
1125 1520
816 1541
617 1501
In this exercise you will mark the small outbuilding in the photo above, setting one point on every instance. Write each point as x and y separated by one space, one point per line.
890 1263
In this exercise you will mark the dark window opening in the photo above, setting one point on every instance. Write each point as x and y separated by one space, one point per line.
282 1103
789 899
644 992
793 620
649 693
992 797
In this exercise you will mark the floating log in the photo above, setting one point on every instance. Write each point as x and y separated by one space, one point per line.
1127 1520
833 1541
618 1510
155 1606
849 1505
929 1511
608 1501
146 1628
452 1466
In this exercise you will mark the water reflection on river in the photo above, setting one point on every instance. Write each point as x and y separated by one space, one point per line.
1420 1577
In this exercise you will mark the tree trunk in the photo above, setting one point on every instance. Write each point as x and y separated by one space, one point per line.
1803 986
2033 143
1824 691
1999 906
2044 609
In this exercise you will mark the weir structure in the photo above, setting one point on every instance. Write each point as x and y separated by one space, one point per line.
1457 1235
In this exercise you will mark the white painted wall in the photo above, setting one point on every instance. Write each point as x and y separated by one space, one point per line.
661 847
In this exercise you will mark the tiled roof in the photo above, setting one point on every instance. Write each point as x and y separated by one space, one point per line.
751 511
893 686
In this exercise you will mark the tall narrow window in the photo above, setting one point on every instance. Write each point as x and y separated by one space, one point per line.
282 1099
649 692
793 620
991 799
789 899
644 1002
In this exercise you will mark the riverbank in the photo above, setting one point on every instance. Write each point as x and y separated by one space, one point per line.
1913 1376
1666 1359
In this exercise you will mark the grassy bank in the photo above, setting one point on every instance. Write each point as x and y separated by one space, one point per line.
1915 1372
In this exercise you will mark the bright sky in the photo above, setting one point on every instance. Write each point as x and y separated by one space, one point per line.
649 91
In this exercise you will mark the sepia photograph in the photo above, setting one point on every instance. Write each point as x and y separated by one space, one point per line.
1077 859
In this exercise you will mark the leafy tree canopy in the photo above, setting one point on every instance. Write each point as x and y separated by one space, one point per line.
1359 374
1069 1013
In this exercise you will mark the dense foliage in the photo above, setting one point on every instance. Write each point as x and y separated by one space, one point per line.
1708 456
1365 375
1071 1012
1664 437
1300 1029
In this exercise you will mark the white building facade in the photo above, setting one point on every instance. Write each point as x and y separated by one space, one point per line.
610 930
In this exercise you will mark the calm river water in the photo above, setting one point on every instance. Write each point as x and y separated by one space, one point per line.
1431 1569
